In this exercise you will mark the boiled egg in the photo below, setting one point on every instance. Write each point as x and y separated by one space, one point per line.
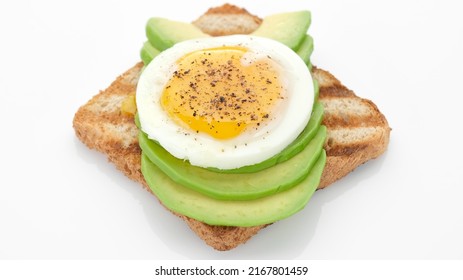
225 102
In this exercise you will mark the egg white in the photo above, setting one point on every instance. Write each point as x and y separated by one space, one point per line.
250 147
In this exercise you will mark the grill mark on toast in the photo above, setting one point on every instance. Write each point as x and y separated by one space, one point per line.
337 120
347 141
345 150
357 112
335 91
329 85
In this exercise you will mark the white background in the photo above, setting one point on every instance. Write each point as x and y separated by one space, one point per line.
60 200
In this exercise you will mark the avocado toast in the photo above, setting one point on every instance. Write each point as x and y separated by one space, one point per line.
356 130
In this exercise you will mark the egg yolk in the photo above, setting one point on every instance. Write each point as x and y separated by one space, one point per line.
222 92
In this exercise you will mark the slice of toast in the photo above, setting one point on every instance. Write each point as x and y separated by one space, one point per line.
357 132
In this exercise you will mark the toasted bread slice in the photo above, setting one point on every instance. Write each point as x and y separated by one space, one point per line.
357 132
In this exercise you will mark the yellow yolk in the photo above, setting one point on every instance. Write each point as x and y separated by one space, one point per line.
217 92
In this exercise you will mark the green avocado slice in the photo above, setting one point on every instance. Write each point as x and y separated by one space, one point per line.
247 213
164 33
316 90
148 52
245 186
287 28
306 49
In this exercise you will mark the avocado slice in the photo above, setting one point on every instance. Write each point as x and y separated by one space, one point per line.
306 49
287 28
316 87
231 213
148 52
164 33
246 186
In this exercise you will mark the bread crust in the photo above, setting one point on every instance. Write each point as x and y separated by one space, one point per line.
100 125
